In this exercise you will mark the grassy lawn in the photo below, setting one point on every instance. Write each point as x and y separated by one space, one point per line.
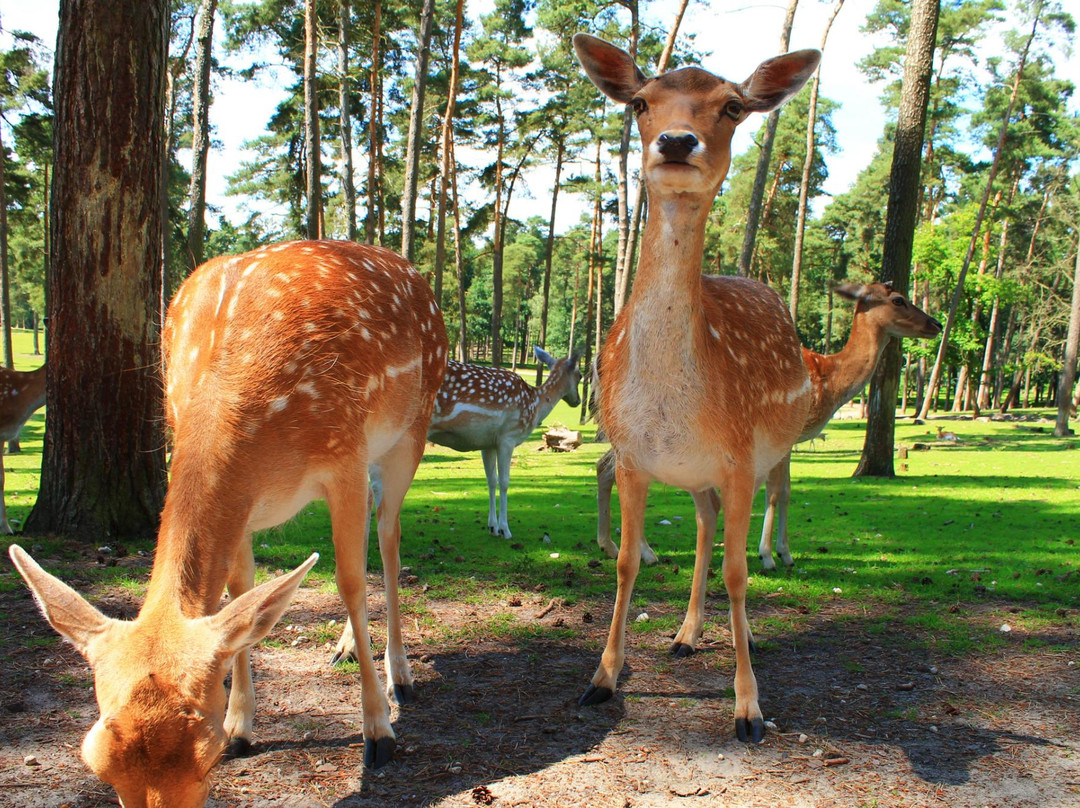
965 538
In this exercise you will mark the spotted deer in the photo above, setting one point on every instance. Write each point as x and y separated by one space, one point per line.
22 393
880 314
703 381
288 371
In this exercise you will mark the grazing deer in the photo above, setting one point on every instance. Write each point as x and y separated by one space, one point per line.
22 393
288 370
703 381
880 314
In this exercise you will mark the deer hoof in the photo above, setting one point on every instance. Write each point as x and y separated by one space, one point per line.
238 748
594 695
343 656
750 731
404 694
680 650
378 753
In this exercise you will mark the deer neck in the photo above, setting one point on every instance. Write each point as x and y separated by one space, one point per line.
845 373
547 396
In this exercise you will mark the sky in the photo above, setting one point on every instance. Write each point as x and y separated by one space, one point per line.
736 35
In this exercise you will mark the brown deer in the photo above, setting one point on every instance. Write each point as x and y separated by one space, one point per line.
704 386
880 314
288 371
22 393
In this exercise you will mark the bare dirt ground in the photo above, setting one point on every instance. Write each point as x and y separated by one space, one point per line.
862 718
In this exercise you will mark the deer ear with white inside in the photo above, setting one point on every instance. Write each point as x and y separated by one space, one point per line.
852 291
778 79
544 356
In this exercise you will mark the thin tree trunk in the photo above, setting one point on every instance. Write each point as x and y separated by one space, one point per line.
371 219
311 124
200 134
348 188
593 282
1068 368
904 183
622 179
804 184
548 253
753 213
445 136
5 279
459 262
998 149
416 127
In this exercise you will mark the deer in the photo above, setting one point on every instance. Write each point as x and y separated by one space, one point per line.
704 386
949 437
881 313
22 393
288 370
492 410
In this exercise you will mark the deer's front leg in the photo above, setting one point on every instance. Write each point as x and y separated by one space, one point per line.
240 715
491 472
707 505
347 500
605 483
782 502
506 452
773 492
633 491
738 497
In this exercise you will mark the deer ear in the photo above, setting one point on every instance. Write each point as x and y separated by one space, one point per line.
611 69
776 80
250 617
544 357
66 610
852 291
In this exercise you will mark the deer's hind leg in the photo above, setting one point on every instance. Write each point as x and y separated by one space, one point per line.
707 506
240 715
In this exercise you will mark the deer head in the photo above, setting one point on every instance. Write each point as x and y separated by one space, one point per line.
889 310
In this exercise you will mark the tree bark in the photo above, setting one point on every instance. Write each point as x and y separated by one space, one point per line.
311 124
371 220
808 164
1068 368
200 134
548 253
416 127
904 183
103 465
444 163
5 278
348 188
753 214
622 179
459 263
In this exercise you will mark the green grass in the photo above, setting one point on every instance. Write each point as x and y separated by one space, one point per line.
966 537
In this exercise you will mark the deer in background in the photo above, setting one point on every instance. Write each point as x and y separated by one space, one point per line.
22 393
880 314
704 386
288 370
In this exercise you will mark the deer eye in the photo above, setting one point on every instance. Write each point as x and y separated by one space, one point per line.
733 109
637 103
899 301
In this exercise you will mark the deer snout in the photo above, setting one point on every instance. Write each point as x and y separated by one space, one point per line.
933 327
676 146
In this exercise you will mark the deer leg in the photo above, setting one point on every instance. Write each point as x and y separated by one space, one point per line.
347 499
241 712
707 505
506 451
773 492
738 497
4 526
633 490
605 482
346 646
490 471
398 468
783 501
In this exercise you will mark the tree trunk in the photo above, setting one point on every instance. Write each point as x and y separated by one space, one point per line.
804 184
444 162
103 465
904 183
311 124
371 220
595 243
459 262
998 149
548 253
753 213
5 279
416 127
622 179
348 188
1068 368
200 134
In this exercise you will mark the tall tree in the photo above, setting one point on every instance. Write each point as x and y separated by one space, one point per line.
103 387
200 136
348 188
445 135
416 125
374 114
1068 366
753 213
312 141
904 187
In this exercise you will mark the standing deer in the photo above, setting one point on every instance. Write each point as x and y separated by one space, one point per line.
288 370
880 314
22 393
704 386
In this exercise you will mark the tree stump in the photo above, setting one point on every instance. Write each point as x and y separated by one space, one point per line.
561 439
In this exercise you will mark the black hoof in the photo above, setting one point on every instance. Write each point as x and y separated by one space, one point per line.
404 694
378 753
750 731
753 646
594 695
238 748
679 650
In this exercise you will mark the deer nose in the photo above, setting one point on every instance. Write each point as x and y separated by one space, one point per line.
676 147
